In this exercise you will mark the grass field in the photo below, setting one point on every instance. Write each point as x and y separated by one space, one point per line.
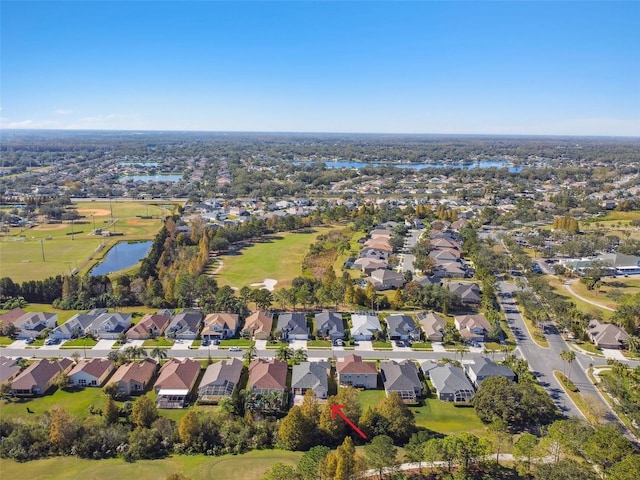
50 249
583 306
279 258
248 466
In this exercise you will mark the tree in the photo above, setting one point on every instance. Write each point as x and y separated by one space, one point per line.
524 448
63 430
520 405
502 436
250 354
280 471
295 432
158 353
345 460
401 422
144 412
145 443
299 356
62 381
189 429
111 390
606 447
565 469
626 469
568 356
469 449
380 454
432 450
284 353
310 408
309 465
111 412
414 449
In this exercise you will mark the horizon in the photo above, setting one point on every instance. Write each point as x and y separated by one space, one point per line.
382 68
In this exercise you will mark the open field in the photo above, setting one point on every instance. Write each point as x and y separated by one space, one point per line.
279 258
51 249
248 466
583 306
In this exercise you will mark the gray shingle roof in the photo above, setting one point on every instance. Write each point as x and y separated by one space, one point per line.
310 375
449 379
400 376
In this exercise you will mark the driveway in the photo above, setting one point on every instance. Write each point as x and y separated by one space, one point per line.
297 344
364 345
182 345
614 354
107 344
135 343
438 347
396 348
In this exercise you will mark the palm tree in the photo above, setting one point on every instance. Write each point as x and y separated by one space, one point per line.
158 353
134 353
299 356
284 353
568 356
250 354
633 344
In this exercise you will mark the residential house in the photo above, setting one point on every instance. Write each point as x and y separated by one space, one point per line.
258 325
133 378
472 328
91 373
427 365
451 270
38 377
607 335
402 327
266 376
330 324
482 368
185 325
293 326
176 380
353 372
401 377
11 316
76 326
31 324
433 325
374 253
9 368
469 292
218 326
451 384
220 380
445 255
150 326
370 265
109 326
310 376
383 279
364 326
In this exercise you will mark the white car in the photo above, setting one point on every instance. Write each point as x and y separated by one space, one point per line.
234 349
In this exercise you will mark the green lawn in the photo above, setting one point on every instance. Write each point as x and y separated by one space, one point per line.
237 342
6 341
382 345
248 466
279 258
158 342
442 417
421 346
446 418
370 398
80 343
75 402
319 343
49 250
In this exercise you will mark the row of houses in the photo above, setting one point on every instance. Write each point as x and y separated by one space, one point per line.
373 259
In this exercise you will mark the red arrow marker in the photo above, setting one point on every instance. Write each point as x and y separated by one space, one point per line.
337 409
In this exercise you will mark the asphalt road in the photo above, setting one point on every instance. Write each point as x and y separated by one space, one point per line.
543 361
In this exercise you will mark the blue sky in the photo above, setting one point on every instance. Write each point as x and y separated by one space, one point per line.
564 68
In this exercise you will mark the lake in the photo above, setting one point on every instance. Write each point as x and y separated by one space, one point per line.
122 255
418 166
151 178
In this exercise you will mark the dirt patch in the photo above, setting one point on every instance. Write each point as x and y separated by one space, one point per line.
98 212
52 226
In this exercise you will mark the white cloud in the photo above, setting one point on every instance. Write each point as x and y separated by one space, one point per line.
63 111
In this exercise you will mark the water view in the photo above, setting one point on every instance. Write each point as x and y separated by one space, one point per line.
152 178
122 255
419 166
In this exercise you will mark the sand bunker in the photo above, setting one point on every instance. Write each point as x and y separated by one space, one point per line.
98 212
267 284
51 226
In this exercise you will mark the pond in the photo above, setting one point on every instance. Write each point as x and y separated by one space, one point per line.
418 166
122 255
151 178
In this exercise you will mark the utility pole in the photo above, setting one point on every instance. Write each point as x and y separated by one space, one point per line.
42 249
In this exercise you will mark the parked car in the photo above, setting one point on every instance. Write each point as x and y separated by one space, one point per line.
29 341
234 349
